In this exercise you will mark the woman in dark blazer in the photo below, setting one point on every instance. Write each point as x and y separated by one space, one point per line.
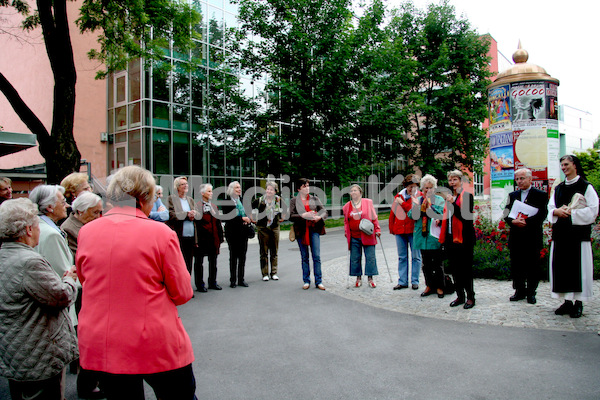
210 237
182 213
308 214
458 236
236 234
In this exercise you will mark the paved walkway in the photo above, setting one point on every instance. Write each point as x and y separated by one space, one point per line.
492 307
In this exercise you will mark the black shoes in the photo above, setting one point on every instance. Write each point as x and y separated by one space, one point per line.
577 309
426 293
215 287
232 285
415 286
202 289
243 283
398 287
457 302
531 299
517 296
565 308
469 304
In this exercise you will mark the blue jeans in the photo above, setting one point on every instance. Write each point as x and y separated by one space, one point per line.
356 248
403 242
315 249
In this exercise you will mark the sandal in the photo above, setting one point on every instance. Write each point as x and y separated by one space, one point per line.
358 282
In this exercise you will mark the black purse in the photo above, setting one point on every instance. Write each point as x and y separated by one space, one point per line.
250 230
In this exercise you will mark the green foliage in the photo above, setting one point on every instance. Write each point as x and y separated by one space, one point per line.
347 93
590 161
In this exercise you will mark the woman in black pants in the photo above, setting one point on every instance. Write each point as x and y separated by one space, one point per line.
236 234
458 235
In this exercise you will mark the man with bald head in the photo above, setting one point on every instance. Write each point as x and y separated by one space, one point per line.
526 236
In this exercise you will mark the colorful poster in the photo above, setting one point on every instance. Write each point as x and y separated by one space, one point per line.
501 156
551 101
499 108
527 100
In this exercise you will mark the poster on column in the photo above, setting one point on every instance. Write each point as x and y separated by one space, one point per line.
502 170
499 109
528 101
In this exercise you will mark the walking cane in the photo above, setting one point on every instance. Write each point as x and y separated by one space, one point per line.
348 262
385 258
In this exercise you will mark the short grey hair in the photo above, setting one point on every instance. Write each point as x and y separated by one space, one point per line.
204 187
428 179
132 181
273 184
177 182
527 171
85 200
158 187
15 216
455 174
45 195
231 186
360 189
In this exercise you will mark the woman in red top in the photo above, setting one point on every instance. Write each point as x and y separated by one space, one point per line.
354 211
403 227
134 276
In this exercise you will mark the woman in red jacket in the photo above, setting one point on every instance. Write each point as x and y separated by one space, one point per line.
356 210
134 276
403 227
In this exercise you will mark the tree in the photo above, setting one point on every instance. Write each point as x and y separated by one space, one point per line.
350 93
127 30
447 97
590 162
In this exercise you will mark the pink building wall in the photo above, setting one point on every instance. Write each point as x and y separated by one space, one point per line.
26 66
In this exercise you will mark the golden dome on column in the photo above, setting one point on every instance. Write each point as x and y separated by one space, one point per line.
523 71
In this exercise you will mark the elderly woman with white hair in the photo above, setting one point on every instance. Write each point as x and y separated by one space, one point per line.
53 243
210 237
159 211
37 339
427 211
182 213
129 327
236 234
458 235
86 208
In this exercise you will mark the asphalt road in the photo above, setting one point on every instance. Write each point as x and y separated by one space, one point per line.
274 340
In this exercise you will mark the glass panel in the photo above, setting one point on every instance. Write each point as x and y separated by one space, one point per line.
215 26
121 89
218 3
120 156
111 121
181 153
134 150
121 114
181 84
198 86
134 80
181 117
160 116
233 162
161 144
215 56
147 148
232 8
111 153
160 84
135 116
147 112
198 120
111 91
121 137
198 153
216 157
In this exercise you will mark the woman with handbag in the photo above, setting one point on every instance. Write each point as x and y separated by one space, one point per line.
571 261
269 211
238 228
308 214
427 231
362 229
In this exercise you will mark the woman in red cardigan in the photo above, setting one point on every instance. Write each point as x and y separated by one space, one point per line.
134 276
356 210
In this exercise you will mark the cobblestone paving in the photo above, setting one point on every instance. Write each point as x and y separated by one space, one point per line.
492 304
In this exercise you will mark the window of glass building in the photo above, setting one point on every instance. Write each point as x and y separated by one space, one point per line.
161 145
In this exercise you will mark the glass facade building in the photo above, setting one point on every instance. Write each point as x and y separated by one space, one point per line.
158 117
